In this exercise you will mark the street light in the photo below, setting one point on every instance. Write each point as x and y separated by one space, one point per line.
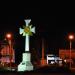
71 37
9 37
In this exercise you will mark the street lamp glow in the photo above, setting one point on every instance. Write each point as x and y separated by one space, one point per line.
71 37
8 35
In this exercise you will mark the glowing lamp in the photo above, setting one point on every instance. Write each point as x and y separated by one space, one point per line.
71 37
8 35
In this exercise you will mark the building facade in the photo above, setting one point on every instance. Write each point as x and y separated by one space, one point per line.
7 54
65 55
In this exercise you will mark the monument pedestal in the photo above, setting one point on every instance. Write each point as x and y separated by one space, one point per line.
26 64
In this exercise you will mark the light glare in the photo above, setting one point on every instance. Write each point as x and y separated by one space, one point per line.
71 37
8 35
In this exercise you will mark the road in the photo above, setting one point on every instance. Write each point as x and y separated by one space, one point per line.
42 71
7 73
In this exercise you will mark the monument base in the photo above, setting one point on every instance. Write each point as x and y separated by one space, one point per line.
26 64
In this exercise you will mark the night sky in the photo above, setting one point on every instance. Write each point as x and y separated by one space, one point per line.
54 33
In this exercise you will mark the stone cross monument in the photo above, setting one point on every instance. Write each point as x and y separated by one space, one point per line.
27 31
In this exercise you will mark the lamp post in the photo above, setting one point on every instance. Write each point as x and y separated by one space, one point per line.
71 37
9 36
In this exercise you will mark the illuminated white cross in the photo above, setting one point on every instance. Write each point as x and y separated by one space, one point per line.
27 31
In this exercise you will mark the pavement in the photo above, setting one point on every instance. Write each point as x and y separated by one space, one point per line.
44 70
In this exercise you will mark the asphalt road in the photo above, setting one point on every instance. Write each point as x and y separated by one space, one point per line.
7 73
42 71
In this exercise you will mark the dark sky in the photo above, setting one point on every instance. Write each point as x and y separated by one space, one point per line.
54 33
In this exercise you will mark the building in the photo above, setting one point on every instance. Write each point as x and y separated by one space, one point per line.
7 54
65 55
